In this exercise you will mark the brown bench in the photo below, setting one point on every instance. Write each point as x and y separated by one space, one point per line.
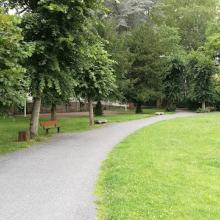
47 125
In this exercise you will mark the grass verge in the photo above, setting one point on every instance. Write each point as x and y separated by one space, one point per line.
9 128
170 170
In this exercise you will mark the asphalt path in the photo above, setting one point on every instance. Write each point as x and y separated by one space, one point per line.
55 180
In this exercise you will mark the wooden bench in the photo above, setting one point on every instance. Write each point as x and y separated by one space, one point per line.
159 113
47 125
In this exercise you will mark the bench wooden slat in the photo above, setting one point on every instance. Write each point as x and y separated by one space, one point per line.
49 125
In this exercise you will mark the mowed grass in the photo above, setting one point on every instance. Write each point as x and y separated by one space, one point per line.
169 171
9 128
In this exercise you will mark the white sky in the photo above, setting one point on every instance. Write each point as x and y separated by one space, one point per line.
12 11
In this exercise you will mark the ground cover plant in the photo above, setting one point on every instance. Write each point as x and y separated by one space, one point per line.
169 170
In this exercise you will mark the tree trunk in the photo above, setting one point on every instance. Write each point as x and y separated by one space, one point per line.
138 108
34 122
203 105
53 112
91 114
159 104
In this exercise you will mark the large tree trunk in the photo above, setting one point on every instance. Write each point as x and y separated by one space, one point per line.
53 112
139 108
203 105
34 122
91 114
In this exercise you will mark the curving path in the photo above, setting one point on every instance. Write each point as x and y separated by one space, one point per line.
55 180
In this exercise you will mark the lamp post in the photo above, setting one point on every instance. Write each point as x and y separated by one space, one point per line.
25 108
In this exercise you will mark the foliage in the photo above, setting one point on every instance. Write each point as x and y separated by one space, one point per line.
56 28
171 108
75 52
143 56
190 17
95 74
173 81
53 27
116 45
217 91
213 37
98 110
149 47
153 44
129 13
213 40
201 110
13 84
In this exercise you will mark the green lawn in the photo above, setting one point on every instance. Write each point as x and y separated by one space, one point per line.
169 171
9 128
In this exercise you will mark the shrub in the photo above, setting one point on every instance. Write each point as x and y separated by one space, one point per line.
201 110
171 109
98 111
212 109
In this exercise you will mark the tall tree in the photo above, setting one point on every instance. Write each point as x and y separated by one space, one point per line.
149 46
202 68
117 46
95 79
173 82
144 57
55 29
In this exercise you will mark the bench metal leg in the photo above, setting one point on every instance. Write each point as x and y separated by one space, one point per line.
47 131
58 130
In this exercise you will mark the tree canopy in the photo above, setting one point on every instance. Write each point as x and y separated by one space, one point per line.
13 84
132 51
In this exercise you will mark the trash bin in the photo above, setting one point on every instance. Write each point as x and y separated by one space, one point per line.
23 136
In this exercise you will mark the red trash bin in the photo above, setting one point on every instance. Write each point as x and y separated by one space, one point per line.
23 136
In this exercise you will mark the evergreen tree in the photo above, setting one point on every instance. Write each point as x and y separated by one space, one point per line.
173 82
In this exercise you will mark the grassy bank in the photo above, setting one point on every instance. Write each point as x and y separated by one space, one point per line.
167 171
9 128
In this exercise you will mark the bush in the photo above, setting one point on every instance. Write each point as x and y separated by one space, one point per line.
212 109
98 111
192 105
171 109
218 106
201 110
